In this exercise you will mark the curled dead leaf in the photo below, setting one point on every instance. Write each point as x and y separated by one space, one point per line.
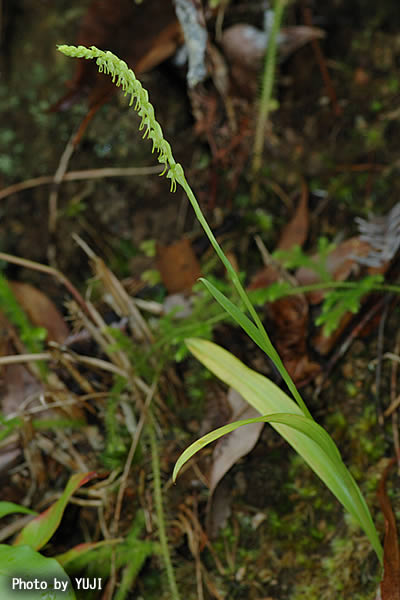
390 585
230 448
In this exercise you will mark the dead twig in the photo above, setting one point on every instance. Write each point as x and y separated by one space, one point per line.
330 90
85 360
367 318
30 264
131 453
78 176
378 371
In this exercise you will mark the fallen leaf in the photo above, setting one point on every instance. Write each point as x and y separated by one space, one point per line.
227 451
9 456
230 448
296 231
290 317
41 311
178 266
21 390
18 384
245 46
340 264
219 509
264 278
390 585
191 17
361 77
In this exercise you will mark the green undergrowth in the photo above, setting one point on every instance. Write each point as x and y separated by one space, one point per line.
305 548
32 337
334 544
130 556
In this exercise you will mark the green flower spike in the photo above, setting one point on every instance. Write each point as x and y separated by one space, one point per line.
124 77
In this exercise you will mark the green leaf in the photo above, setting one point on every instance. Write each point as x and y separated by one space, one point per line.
31 336
276 290
238 315
298 422
129 555
38 532
300 431
7 426
21 566
8 508
260 338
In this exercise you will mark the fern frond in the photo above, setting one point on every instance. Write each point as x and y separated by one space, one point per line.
125 78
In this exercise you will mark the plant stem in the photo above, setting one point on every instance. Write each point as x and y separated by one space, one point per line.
266 94
268 348
329 285
158 501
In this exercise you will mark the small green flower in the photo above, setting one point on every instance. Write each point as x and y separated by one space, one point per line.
125 78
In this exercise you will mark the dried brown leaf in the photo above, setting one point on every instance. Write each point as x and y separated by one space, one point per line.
230 448
390 585
178 266
340 264
296 231
290 318
41 311
244 47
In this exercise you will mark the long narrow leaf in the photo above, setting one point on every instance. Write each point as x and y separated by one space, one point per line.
8 508
302 432
299 422
260 338
38 532
241 319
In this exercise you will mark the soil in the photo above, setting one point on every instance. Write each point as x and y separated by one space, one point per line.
285 535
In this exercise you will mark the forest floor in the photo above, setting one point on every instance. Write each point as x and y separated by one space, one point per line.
271 531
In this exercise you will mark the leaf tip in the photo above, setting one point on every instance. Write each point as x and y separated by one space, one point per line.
175 473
